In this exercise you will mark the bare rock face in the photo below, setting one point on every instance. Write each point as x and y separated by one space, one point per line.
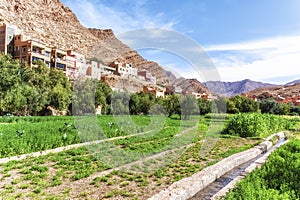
50 21
190 85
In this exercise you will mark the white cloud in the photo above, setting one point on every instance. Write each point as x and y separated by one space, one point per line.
128 15
261 60
258 60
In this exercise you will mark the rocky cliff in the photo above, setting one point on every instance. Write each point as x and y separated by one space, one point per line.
190 85
52 22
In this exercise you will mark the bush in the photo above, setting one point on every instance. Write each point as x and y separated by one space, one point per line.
257 125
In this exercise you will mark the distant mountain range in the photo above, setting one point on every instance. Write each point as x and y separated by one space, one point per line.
227 88
293 82
234 88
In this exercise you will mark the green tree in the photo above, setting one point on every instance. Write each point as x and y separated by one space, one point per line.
134 104
244 104
282 109
103 97
172 105
36 101
231 107
83 99
60 97
60 92
12 99
28 91
295 110
249 105
219 105
204 106
120 103
146 101
268 106
189 106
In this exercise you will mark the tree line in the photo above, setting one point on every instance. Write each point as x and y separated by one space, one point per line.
30 91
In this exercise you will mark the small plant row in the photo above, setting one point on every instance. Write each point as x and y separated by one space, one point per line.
20 135
31 134
27 137
14 119
36 178
277 179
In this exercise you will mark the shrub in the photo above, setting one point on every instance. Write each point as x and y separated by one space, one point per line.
257 125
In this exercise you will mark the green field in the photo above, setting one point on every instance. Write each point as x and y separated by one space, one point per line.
277 179
154 152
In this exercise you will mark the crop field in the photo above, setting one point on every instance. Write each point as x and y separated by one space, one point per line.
21 135
134 156
277 179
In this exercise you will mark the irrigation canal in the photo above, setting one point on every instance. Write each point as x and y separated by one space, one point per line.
214 188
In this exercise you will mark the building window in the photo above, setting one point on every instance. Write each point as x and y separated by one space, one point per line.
60 66
24 49
36 59
48 54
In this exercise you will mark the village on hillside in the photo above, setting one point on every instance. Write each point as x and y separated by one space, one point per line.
118 75
75 65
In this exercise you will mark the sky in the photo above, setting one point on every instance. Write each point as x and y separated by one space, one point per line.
227 40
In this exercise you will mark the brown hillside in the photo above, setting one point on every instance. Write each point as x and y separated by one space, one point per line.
283 91
191 85
52 22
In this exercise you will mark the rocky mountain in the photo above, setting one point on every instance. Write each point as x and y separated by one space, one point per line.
234 88
170 76
187 85
190 85
293 82
52 22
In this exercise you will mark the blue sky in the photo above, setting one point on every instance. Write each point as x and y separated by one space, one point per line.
257 39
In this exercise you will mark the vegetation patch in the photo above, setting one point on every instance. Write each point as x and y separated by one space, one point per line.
277 179
258 125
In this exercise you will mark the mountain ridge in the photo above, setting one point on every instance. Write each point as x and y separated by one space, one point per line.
234 88
293 82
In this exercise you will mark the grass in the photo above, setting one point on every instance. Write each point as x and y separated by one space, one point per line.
68 173
277 179
35 179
